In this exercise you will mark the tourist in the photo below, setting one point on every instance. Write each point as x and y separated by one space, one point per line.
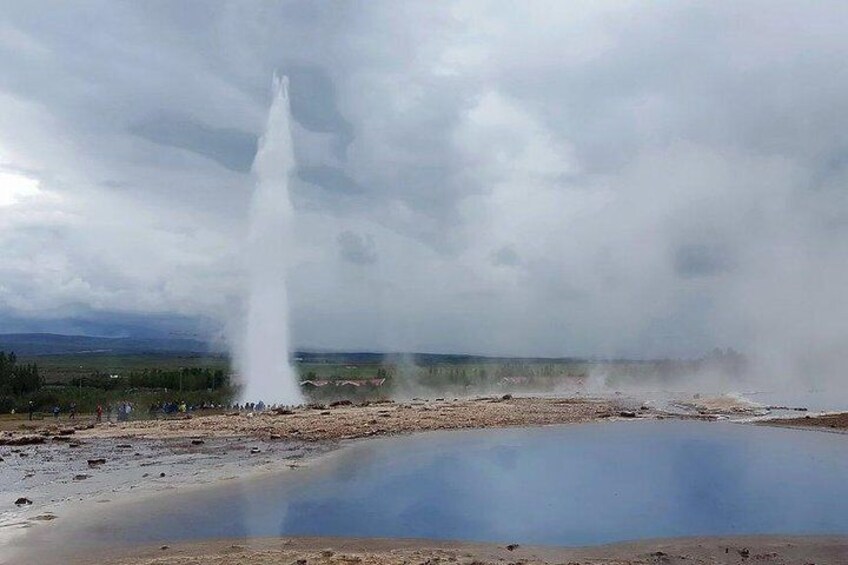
108 412
31 407
56 411
72 413
99 413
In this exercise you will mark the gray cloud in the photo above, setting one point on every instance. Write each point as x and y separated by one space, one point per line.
356 248
701 260
506 256
666 174
228 147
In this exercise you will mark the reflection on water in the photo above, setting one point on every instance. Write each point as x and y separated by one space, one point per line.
570 485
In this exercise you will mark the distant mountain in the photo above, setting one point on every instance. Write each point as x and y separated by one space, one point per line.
42 344
36 344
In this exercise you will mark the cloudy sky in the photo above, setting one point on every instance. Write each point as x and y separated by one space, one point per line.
546 178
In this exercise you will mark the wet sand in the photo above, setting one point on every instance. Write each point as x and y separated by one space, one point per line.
775 550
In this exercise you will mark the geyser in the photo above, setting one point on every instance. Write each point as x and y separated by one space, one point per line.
263 356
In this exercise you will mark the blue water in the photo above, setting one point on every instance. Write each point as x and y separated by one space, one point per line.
570 485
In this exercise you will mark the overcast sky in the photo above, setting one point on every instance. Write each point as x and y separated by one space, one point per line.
545 178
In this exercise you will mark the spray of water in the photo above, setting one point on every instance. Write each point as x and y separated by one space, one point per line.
263 358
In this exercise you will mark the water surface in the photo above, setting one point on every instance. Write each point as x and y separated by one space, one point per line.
568 485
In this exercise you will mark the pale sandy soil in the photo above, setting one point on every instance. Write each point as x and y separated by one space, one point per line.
351 422
765 550
727 405
343 422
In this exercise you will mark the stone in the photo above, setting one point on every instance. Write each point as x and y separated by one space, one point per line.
21 440
340 403
22 501
96 462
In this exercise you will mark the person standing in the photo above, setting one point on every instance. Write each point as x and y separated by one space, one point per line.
56 411
31 407
72 413
99 413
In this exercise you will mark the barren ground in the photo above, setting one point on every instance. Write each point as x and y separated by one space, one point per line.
388 418
770 550
825 421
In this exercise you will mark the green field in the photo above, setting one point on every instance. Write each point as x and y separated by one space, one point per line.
151 379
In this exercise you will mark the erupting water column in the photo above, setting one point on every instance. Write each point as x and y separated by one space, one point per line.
264 353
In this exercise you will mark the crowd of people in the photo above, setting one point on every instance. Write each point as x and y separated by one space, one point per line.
124 410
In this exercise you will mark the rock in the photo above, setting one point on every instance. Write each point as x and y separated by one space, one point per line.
275 436
23 501
123 446
512 547
74 444
81 477
144 476
340 403
744 553
96 462
506 397
21 440
23 454
164 547
283 412
197 442
67 432
61 438
161 475
627 414
255 450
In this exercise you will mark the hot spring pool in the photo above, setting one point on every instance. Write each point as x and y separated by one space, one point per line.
568 485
